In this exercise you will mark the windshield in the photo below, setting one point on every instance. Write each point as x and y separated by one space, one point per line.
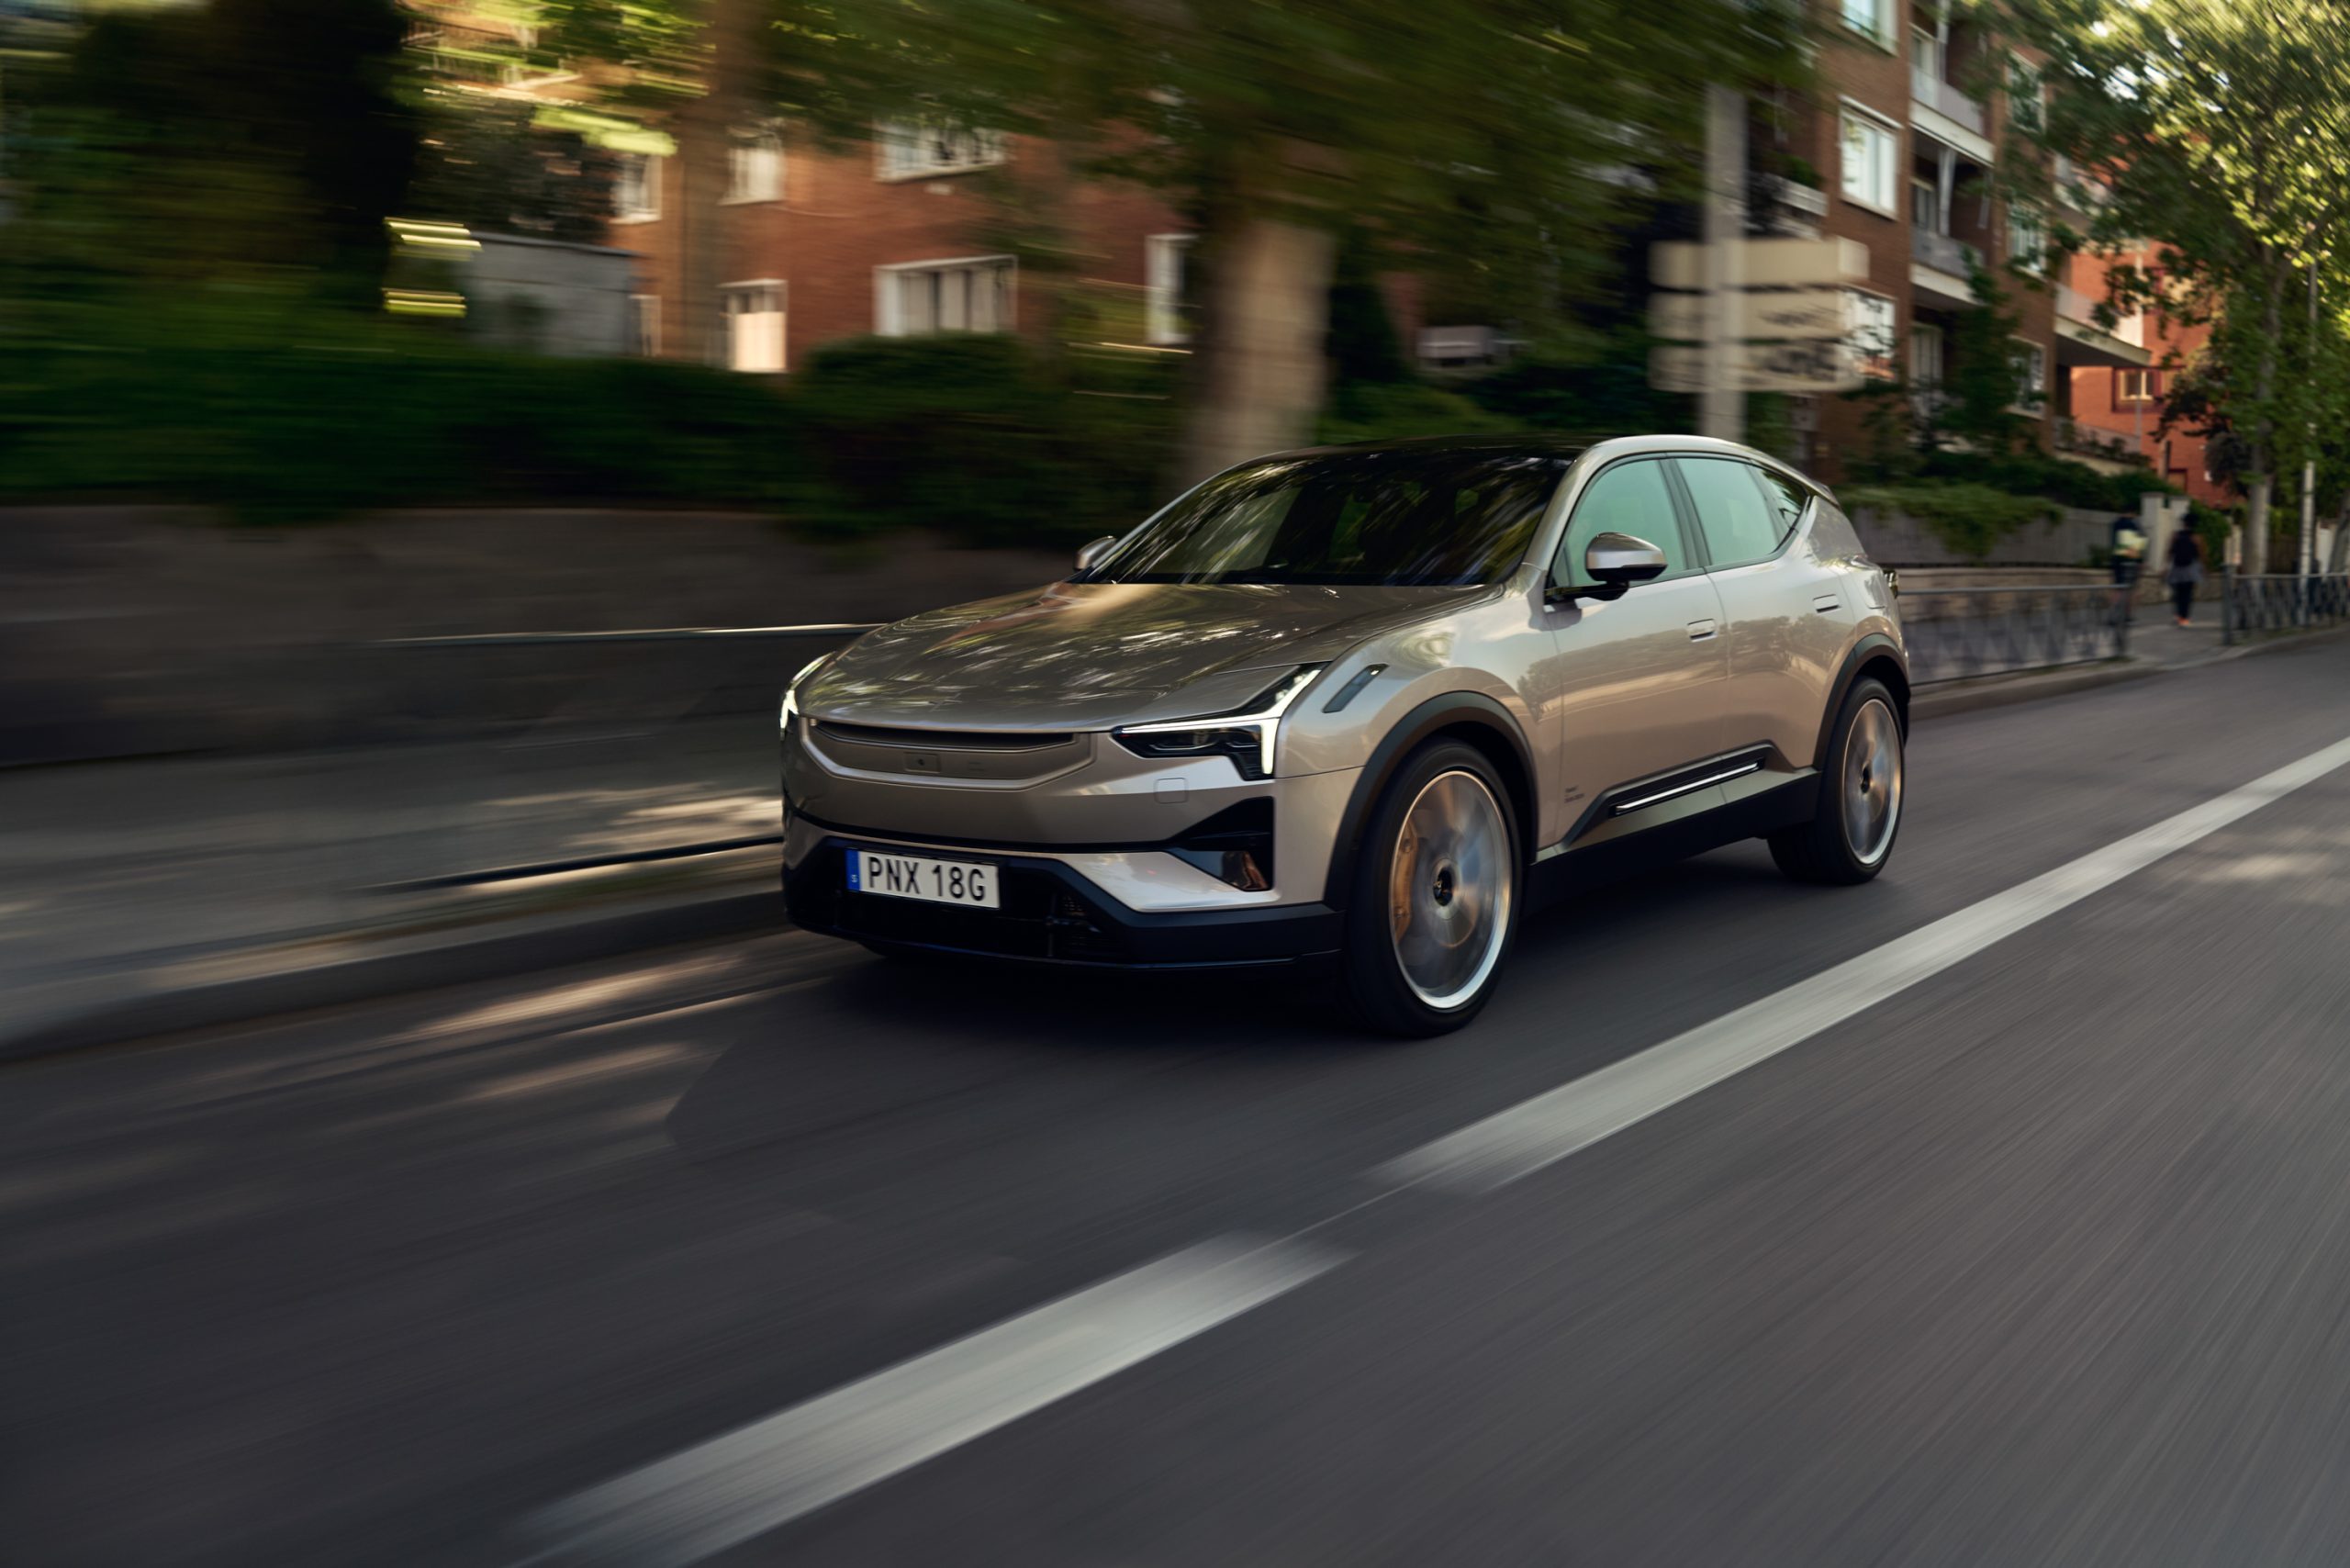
1394 518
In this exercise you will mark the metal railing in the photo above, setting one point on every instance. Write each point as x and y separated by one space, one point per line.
1940 96
1957 633
2074 306
2281 602
1943 252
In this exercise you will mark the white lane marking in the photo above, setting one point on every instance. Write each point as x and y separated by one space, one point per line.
724 1492
1552 1125
721 1492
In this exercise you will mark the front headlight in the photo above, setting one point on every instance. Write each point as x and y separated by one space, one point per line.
1246 734
791 690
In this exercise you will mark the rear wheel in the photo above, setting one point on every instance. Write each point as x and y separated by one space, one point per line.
1435 895
1849 836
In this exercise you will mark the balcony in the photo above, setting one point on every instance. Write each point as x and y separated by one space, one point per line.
1939 95
1944 253
2074 306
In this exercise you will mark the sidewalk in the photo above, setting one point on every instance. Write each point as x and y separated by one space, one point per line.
139 897
126 881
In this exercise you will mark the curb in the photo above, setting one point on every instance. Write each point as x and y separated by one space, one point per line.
2030 686
388 974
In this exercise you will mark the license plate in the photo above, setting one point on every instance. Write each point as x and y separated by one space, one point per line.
919 876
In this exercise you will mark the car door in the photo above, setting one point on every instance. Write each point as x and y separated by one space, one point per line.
1787 614
1643 675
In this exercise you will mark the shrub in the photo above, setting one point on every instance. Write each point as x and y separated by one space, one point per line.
1371 411
2059 479
979 438
292 431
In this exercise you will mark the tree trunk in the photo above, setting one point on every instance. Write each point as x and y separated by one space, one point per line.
2258 489
1260 378
2262 487
705 130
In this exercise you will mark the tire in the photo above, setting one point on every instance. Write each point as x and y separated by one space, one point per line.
1444 831
1850 835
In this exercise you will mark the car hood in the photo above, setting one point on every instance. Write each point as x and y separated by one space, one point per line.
1079 655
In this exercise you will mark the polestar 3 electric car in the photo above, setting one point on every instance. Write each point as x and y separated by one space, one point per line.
1363 706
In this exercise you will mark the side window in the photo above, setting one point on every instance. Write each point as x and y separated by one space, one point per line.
1739 524
1630 498
1785 498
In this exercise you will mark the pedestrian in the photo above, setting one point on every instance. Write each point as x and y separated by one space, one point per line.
2129 552
2186 574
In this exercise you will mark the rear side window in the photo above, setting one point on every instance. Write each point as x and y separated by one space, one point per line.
1785 497
1740 523
1630 498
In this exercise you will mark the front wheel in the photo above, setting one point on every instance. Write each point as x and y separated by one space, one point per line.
1435 897
1849 836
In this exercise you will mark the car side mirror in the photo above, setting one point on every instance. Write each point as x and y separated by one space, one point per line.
1616 560
1089 553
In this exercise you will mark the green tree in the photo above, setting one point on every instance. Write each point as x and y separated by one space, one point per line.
1484 127
2221 132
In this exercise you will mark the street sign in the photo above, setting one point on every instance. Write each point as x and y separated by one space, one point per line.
1820 365
1809 313
1762 263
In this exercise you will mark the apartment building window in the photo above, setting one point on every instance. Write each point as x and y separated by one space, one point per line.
637 187
1926 357
1929 54
644 323
1925 205
971 295
2132 389
1870 18
2030 361
1872 157
914 149
754 167
753 325
2026 238
1869 331
1166 301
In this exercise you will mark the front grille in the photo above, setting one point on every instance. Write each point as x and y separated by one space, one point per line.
937 740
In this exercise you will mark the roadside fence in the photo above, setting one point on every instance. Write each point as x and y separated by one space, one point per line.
2281 602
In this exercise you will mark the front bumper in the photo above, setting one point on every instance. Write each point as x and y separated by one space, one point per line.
1050 914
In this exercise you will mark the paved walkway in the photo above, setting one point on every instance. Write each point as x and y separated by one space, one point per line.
117 878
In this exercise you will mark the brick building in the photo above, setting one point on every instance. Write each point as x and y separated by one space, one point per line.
1900 149
901 236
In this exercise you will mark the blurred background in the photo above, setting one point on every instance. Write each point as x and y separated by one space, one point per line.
431 431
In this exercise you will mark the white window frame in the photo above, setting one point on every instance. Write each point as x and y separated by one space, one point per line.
888 298
1879 366
2031 376
1874 22
904 150
738 343
1920 333
1165 258
2146 385
1851 114
653 165
747 153
2026 238
644 323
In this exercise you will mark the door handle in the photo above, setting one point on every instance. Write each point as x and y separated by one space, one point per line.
1700 630
1826 603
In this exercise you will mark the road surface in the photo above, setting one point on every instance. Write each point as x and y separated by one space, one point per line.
2030 1244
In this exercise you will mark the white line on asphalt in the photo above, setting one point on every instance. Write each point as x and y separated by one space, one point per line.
717 1494
721 1492
1534 1133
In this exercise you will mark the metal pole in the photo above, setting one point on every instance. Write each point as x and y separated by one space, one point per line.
2309 473
1722 406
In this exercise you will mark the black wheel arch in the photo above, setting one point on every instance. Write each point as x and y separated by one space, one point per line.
1471 717
1877 655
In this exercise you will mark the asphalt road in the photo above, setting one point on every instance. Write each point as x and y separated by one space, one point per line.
2044 1258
